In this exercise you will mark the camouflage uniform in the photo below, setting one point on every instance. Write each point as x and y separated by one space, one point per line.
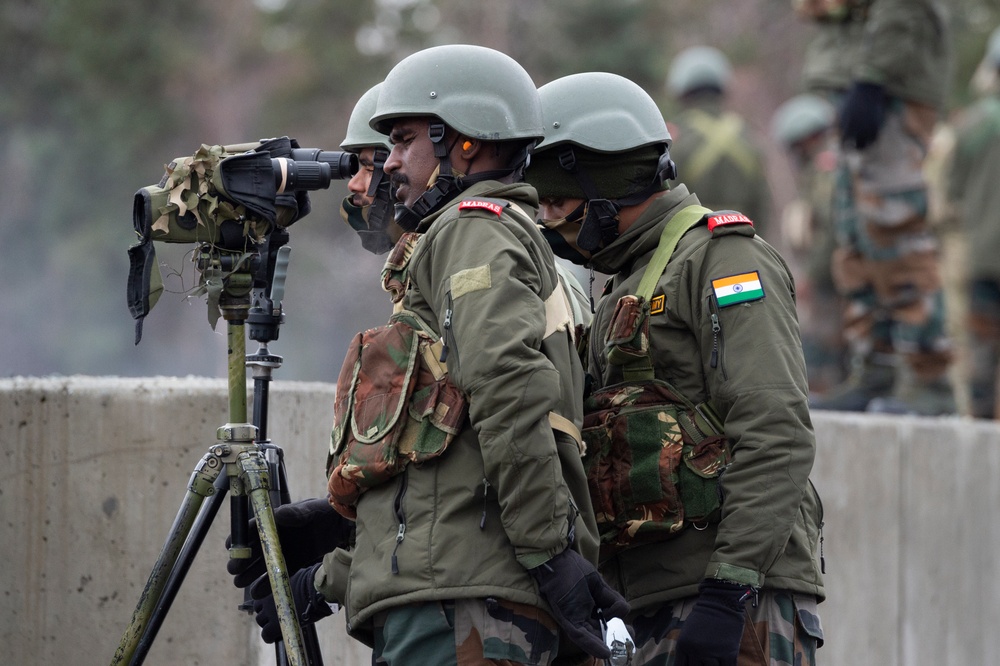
746 360
973 185
886 263
458 532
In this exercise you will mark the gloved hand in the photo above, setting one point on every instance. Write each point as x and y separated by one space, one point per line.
576 592
310 605
862 113
307 530
712 632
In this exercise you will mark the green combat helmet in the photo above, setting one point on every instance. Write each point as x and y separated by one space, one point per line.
360 135
370 221
477 91
698 68
601 130
801 117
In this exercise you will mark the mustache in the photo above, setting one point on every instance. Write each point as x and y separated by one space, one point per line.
398 179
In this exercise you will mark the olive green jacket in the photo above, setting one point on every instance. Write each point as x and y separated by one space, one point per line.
747 359
972 182
505 494
901 44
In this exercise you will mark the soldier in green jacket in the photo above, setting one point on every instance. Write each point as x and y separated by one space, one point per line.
972 184
885 63
699 439
721 160
456 446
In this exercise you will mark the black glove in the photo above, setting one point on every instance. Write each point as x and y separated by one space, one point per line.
711 634
862 113
577 593
307 530
310 605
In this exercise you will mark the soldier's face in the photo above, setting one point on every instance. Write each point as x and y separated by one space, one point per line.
557 208
360 182
411 163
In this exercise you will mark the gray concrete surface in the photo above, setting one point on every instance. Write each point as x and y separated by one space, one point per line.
96 468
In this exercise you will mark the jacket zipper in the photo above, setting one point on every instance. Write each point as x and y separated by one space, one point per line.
486 488
447 339
397 509
718 359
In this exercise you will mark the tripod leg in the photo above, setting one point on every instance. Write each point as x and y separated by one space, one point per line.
254 472
200 486
191 545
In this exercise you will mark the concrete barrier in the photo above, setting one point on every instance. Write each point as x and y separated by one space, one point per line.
96 468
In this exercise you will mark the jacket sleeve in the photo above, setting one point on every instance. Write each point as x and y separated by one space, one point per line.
757 383
485 291
899 35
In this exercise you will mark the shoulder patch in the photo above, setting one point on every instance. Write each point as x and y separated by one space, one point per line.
741 288
494 206
724 218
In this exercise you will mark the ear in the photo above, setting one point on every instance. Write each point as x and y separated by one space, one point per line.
470 147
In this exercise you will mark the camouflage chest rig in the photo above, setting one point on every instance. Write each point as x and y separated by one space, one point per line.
653 457
395 402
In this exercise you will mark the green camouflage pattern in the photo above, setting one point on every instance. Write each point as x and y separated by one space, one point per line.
467 632
395 277
650 469
887 261
394 405
187 207
782 629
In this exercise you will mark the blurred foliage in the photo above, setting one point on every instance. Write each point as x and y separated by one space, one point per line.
100 94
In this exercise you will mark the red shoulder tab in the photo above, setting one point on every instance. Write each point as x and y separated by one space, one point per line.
727 217
482 204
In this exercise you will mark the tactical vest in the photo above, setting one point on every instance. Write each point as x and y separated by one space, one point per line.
653 457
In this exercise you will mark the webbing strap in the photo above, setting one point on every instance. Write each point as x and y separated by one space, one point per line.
722 140
676 227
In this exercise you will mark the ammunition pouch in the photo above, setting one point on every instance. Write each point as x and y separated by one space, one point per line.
395 405
653 458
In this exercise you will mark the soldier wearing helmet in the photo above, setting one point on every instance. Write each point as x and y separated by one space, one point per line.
699 439
368 208
721 160
456 444
804 127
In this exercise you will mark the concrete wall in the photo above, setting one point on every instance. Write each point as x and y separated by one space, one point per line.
95 470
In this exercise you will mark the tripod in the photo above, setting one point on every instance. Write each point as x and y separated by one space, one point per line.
242 461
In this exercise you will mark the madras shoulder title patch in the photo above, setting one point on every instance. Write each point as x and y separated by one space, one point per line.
738 288
483 204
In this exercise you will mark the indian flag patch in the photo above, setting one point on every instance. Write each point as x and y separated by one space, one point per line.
738 288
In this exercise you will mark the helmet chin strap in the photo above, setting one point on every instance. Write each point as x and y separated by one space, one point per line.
600 226
447 185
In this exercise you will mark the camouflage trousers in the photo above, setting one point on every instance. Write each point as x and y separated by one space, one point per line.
984 347
886 264
465 632
783 629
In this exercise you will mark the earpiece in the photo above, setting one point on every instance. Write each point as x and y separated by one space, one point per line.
466 145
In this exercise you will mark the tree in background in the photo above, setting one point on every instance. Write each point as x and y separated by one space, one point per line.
100 94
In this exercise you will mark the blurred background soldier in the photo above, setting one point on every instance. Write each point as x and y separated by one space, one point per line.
803 126
973 186
712 143
884 63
